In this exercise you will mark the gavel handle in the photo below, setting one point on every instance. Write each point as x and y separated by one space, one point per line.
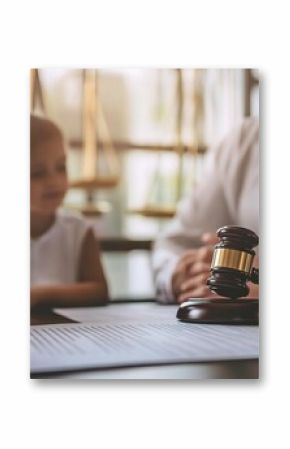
254 276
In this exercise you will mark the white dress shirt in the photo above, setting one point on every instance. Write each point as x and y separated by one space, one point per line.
227 195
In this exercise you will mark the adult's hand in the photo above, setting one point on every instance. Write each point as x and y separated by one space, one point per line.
192 271
254 288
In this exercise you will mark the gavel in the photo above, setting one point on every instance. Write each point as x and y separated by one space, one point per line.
232 261
231 269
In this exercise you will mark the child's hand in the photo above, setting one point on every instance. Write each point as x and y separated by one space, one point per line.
69 295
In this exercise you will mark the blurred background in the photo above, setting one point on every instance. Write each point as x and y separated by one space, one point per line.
136 141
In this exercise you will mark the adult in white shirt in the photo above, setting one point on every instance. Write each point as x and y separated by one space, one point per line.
227 195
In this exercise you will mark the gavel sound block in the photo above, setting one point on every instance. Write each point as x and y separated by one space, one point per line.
231 269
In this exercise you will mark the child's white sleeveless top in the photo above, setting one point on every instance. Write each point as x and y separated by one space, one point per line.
54 257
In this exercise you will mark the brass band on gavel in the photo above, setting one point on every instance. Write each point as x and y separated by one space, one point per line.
232 258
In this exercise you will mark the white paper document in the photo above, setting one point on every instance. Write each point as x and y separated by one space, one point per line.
76 346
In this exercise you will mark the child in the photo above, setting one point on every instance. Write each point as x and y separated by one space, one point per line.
66 268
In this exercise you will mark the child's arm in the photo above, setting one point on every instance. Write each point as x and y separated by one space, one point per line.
91 289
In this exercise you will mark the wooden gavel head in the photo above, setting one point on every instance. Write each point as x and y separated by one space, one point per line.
232 261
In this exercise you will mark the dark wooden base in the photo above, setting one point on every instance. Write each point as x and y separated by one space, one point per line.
220 311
